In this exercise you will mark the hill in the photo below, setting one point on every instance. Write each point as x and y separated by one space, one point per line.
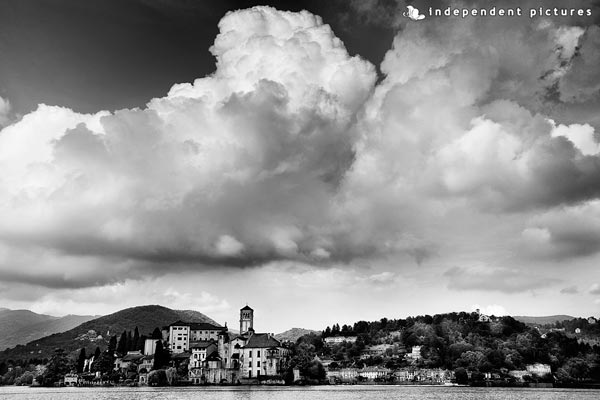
550 319
23 326
293 334
97 332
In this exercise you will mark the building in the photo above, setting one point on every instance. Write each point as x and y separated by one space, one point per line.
225 358
376 350
538 369
200 352
132 357
150 346
373 373
340 339
146 364
71 380
181 334
482 317
262 355
342 375
246 319
415 354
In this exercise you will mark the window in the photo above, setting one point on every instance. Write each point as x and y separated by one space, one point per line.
257 373
257 353
250 364
250 374
250 353
258 363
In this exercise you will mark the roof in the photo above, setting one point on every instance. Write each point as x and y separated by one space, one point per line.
214 356
180 356
204 326
246 308
198 326
200 345
262 340
133 357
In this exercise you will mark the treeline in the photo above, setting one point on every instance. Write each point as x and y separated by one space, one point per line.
47 372
460 340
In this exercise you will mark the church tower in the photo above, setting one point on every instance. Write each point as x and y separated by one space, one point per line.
246 320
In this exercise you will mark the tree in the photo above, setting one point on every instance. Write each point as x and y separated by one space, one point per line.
156 334
461 376
122 346
56 368
157 378
104 364
141 343
112 344
81 360
161 356
130 344
314 370
136 339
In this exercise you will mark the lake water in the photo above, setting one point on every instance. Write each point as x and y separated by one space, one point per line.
297 393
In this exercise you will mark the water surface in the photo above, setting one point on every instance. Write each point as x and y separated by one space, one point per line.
298 393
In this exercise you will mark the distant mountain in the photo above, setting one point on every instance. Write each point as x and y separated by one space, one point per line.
293 334
550 319
97 332
23 326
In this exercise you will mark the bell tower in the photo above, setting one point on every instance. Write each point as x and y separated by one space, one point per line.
246 319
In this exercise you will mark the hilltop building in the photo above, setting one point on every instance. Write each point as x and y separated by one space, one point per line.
340 339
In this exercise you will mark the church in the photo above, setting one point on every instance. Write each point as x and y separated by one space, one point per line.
218 356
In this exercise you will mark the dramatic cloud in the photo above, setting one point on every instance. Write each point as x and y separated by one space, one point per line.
564 233
290 152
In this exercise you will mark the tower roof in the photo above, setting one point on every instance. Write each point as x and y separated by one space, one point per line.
247 307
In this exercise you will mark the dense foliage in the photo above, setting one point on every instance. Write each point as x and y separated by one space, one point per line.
460 340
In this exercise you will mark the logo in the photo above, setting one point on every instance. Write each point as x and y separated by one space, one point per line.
413 13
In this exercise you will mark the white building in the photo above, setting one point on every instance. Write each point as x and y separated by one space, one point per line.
415 353
340 339
538 369
200 352
71 380
150 347
262 355
181 334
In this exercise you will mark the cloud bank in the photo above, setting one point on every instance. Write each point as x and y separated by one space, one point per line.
291 151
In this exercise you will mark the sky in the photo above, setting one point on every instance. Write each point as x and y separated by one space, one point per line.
322 162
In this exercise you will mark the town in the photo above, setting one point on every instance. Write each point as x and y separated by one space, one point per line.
449 349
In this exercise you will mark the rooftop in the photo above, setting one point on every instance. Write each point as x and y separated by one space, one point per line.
200 344
262 340
198 326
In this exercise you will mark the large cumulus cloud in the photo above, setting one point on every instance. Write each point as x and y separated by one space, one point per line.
290 151
236 168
